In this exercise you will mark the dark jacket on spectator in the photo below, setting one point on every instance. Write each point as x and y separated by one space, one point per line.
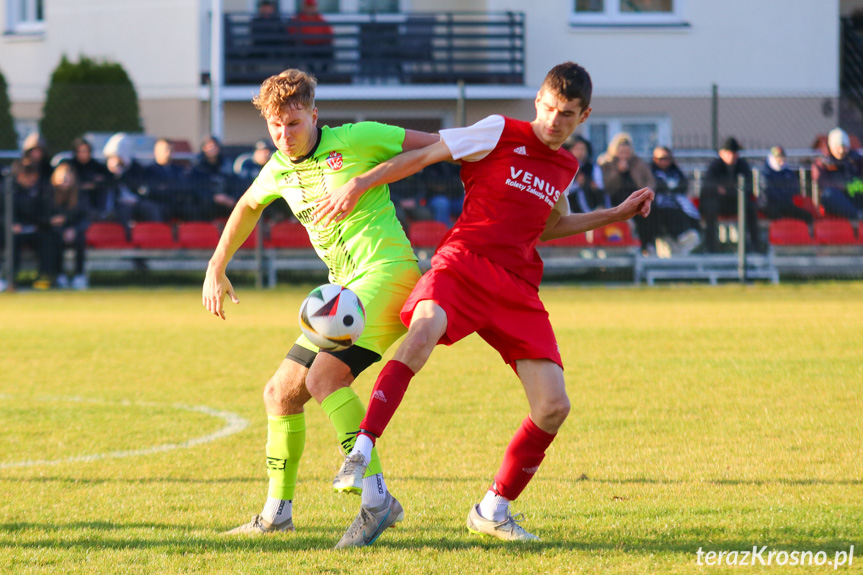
215 177
721 174
28 209
672 187
834 174
780 186
96 193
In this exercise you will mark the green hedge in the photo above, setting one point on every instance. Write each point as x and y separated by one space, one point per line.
88 96
8 136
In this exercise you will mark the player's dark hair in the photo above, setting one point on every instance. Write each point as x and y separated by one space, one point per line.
569 81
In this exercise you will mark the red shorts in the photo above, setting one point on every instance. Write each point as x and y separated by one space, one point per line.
480 296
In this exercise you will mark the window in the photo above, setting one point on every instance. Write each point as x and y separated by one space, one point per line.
379 6
324 6
370 6
646 132
25 16
627 12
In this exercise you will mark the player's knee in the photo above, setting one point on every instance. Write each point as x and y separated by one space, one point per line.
552 413
416 349
284 396
419 341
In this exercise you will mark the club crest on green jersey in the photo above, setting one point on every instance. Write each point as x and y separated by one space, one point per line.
334 161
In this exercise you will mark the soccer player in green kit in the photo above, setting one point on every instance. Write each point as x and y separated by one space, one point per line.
367 252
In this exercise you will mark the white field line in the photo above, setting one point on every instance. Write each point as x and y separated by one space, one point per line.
233 424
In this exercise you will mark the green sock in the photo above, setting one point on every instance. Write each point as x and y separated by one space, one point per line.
286 438
346 412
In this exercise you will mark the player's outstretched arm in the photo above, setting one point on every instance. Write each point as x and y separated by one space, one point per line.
336 205
243 219
559 226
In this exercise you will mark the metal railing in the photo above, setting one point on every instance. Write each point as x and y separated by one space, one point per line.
390 49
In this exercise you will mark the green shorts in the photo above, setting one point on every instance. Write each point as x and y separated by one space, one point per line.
382 290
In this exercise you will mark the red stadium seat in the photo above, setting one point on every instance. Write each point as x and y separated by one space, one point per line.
426 234
197 235
153 236
808 205
614 235
220 223
834 232
576 241
789 232
289 235
107 235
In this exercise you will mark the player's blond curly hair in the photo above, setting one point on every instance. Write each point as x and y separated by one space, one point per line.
292 88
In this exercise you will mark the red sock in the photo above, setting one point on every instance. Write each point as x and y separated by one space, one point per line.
522 458
387 394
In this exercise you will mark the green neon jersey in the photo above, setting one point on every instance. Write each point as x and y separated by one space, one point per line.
370 235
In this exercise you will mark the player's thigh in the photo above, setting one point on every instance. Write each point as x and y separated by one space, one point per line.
382 292
334 370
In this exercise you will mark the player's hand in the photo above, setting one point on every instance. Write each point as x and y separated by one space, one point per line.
638 203
336 205
216 287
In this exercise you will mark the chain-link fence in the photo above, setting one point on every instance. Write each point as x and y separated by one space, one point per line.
135 228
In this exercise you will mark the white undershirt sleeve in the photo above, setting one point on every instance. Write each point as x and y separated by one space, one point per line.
561 206
475 142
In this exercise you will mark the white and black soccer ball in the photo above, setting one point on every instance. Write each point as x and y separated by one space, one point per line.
332 317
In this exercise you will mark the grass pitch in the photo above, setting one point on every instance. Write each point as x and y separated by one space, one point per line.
132 433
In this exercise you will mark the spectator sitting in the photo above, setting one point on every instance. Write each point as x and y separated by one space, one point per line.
719 195
93 178
251 167
28 216
66 226
249 170
36 151
623 172
585 193
781 185
127 183
168 185
444 190
314 36
214 177
672 211
838 173
267 32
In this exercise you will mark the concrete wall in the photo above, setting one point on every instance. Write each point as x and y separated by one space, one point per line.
776 64
766 47
156 41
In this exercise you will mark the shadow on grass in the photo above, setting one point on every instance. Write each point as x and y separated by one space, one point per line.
189 541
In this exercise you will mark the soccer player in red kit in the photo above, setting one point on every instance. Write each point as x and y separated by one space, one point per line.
485 278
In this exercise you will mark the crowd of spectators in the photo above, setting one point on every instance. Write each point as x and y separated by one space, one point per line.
306 34
690 218
54 204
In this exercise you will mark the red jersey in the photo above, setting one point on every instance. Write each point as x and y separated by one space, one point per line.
512 182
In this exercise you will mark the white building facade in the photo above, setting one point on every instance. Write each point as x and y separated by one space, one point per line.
774 64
